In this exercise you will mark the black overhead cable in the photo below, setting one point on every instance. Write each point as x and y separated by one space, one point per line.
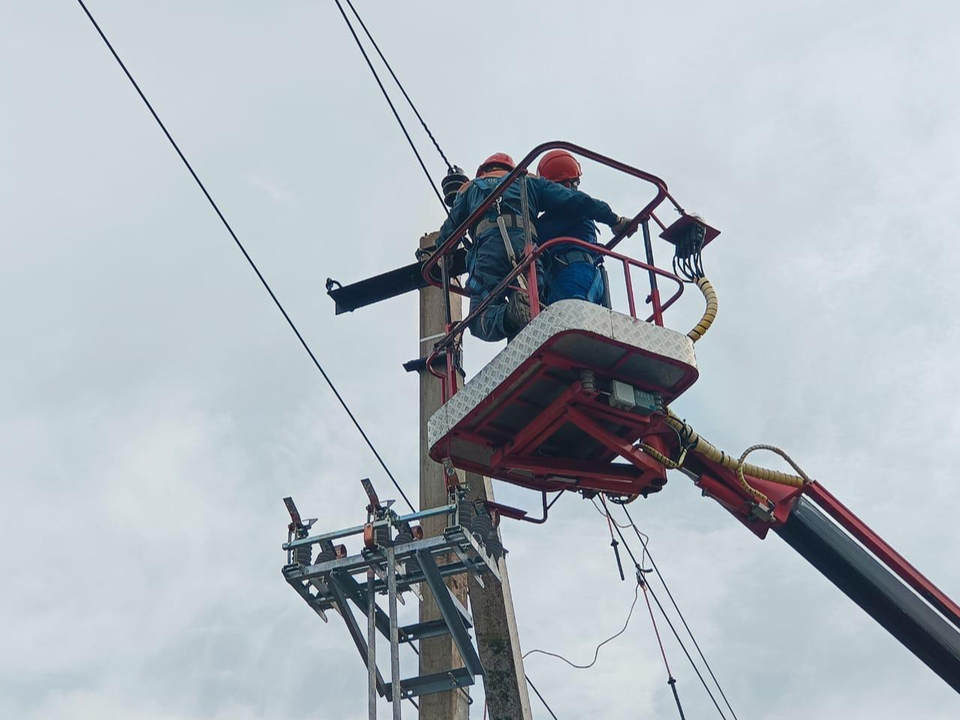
534 688
671 681
386 96
253 265
400 85
667 618
644 540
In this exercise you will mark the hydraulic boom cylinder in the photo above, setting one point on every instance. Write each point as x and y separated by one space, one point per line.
874 588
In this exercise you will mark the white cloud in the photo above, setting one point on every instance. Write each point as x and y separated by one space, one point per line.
154 409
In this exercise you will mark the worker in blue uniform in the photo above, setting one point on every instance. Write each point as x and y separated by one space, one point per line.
571 271
488 259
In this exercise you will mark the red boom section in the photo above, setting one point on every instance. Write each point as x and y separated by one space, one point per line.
722 484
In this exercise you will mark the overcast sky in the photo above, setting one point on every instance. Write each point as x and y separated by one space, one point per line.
154 408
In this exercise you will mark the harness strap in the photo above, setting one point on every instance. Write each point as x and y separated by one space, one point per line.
574 255
511 253
509 219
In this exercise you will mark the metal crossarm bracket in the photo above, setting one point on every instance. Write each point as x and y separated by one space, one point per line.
390 569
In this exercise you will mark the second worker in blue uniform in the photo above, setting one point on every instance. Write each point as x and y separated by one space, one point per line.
488 261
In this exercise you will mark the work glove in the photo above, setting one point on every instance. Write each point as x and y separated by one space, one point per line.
621 225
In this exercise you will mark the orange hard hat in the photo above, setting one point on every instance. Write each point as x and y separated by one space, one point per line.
559 165
496 160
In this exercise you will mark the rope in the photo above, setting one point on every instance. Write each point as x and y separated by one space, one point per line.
386 96
402 90
772 448
243 250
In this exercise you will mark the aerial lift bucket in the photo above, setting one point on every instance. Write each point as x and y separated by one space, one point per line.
563 405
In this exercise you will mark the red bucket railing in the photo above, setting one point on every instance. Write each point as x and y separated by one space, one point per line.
527 263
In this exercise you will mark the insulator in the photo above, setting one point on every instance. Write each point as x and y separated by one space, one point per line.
382 535
301 555
588 380
451 184
494 546
404 536
482 526
465 514
326 554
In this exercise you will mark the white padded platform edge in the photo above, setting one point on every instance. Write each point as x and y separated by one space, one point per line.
558 317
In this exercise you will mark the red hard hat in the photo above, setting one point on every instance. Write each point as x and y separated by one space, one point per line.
497 159
559 165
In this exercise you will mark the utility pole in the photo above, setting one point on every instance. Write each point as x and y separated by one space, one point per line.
493 615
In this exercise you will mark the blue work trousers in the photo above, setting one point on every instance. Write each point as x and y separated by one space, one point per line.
488 265
577 281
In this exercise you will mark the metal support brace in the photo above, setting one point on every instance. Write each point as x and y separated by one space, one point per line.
394 632
451 613
372 672
354 628
354 581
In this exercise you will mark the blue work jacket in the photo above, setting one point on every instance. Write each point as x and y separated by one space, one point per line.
542 195
561 224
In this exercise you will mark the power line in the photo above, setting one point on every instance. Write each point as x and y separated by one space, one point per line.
671 680
534 688
685 652
386 96
246 255
400 85
644 540
667 618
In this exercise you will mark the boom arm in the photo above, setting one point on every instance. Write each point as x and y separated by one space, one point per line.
836 542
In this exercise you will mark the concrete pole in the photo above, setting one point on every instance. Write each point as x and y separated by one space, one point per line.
498 641
496 626
439 653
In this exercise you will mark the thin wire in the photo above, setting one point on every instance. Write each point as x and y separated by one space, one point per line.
400 85
684 648
386 96
534 687
246 255
596 653
607 515
672 628
671 680
644 540
663 653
